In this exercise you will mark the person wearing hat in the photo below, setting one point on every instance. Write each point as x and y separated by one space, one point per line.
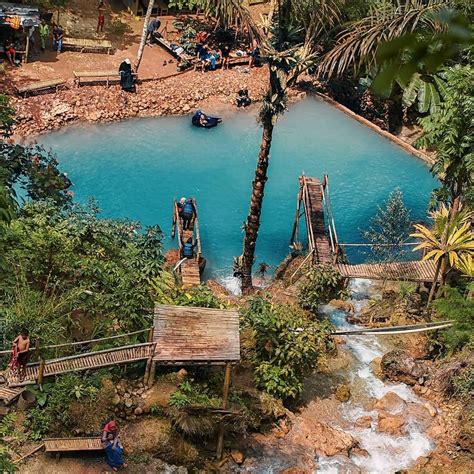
113 446
180 205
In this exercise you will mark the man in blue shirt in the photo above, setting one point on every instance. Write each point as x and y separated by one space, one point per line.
153 27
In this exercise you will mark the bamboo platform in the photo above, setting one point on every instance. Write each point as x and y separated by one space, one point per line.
9 394
417 271
194 336
88 45
40 86
57 445
89 360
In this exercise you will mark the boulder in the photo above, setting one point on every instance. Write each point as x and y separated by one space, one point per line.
364 422
342 305
431 409
237 456
342 393
390 403
400 366
391 424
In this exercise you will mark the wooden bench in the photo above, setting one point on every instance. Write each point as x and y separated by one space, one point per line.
40 85
63 445
111 75
88 45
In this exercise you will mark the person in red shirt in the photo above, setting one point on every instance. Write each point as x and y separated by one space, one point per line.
101 18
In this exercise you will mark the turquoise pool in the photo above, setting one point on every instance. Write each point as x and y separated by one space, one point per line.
135 168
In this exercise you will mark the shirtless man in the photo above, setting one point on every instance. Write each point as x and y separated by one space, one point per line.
22 343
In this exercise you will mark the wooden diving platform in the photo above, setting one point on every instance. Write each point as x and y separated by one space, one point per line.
417 271
190 268
313 199
196 336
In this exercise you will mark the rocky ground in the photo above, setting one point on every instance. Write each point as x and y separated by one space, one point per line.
182 94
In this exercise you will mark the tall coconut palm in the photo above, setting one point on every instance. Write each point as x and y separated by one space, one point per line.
449 239
141 47
285 63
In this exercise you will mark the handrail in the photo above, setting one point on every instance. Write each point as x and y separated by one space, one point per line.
312 243
359 244
326 208
198 235
78 343
301 265
333 223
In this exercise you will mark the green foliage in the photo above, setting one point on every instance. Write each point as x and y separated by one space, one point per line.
119 28
70 261
422 50
288 343
34 172
455 307
7 114
389 229
464 382
52 412
320 285
425 90
7 425
195 394
6 464
451 131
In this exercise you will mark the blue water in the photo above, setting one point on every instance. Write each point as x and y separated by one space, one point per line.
135 168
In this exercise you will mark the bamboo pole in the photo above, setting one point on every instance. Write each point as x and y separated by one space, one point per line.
294 234
41 371
147 371
151 377
225 397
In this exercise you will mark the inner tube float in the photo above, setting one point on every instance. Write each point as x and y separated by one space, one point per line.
200 119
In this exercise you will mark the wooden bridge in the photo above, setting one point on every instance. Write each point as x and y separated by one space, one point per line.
180 336
190 269
314 203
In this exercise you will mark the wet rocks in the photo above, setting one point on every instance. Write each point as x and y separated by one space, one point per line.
400 366
391 424
237 456
364 422
390 403
342 393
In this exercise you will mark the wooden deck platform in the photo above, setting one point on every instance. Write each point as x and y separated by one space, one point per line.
312 197
418 271
90 360
88 45
185 335
41 86
9 394
57 445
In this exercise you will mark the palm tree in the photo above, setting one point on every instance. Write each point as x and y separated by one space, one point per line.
285 63
447 242
151 4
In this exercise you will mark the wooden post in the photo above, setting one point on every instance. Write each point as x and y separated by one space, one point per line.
27 48
225 397
41 371
151 333
147 370
151 377
37 349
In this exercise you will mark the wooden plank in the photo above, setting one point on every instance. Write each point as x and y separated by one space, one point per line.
9 394
72 444
40 85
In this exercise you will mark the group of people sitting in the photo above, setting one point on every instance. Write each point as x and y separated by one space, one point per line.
243 99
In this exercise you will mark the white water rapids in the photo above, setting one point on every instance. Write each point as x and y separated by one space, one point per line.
386 453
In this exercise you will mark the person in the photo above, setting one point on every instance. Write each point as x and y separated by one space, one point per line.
225 54
21 352
10 52
180 205
67 181
254 56
126 75
101 17
188 213
43 34
113 446
153 27
58 35
243 99
188 248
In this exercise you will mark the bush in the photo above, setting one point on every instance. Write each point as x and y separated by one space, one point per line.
6 464
464 383
288 343
322 284
455 307
119 28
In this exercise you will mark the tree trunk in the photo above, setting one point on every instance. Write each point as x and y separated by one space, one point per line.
151 4
435 280
258 187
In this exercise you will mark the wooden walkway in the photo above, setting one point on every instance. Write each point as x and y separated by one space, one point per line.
89 360
318 239
418 271
190 268
190 336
